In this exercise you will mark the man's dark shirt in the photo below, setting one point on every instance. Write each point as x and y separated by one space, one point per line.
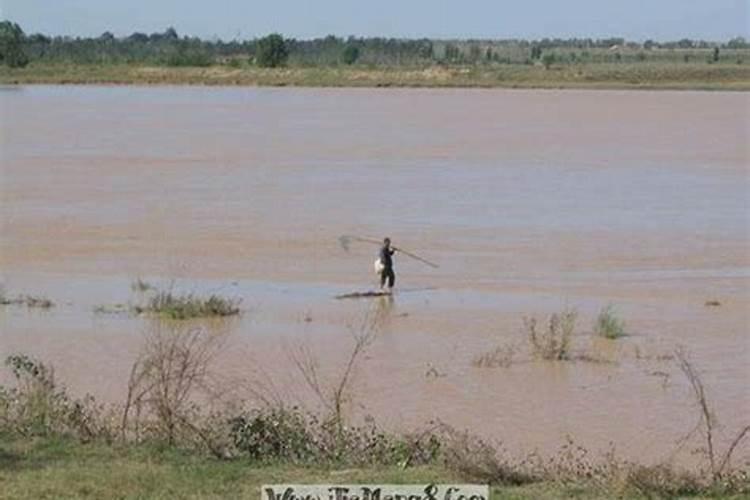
385 257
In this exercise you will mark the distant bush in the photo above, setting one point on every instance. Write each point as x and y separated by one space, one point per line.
272 51
189 57
11 45
548 60
350 54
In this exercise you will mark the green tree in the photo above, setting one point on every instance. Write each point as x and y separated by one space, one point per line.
685 43
272 51
548 60
11 45
716 54
452 53
350 54
536 52
475 53
737 43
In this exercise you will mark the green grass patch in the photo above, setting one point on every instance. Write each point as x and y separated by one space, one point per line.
63 468
189 306
590 75
608 325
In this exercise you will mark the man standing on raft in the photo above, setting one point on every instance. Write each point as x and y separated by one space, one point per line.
386 265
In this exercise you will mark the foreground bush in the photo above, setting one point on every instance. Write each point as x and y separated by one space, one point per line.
37 406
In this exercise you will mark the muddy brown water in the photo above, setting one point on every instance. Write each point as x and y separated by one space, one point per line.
530 201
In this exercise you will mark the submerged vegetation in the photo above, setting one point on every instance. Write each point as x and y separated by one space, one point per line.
166 57
187 306
552 342
608 325
31 301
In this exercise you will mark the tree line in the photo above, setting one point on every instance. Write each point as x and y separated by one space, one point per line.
168 48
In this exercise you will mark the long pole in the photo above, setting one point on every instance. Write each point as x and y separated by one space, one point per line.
378 242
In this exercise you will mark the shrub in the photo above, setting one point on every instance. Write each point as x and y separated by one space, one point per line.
189 306
501 356
172 369
274 434
190 57
554 342
608 325
11 45
548 60
350 54
36 406
289 435
37 301
480 461
272 51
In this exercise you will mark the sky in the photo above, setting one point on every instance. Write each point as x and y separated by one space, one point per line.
229 19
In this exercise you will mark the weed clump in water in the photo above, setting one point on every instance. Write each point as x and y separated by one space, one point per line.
554 342
500 357
608 325
189 306
31 301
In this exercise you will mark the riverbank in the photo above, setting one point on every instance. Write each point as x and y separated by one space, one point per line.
63 468
675 76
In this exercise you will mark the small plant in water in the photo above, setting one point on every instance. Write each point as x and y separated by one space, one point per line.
190 306
554 342
500 357
608 325
26 300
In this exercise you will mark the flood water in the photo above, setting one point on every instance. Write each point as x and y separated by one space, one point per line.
530 202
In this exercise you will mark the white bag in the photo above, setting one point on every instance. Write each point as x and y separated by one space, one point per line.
378 266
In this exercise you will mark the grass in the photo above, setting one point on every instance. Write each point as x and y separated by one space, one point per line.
53 468
643 75
189 306
608 325
499 357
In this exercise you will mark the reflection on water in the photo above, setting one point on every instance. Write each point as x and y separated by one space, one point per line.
531 202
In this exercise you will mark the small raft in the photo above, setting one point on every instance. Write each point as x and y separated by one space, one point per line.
364 295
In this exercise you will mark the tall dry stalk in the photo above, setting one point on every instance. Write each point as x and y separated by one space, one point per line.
334 396
171 370
708 421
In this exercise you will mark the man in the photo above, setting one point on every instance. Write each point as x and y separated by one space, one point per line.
386 261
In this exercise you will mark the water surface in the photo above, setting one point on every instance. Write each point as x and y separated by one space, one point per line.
531 201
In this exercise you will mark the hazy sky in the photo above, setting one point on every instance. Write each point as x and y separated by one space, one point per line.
227 19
